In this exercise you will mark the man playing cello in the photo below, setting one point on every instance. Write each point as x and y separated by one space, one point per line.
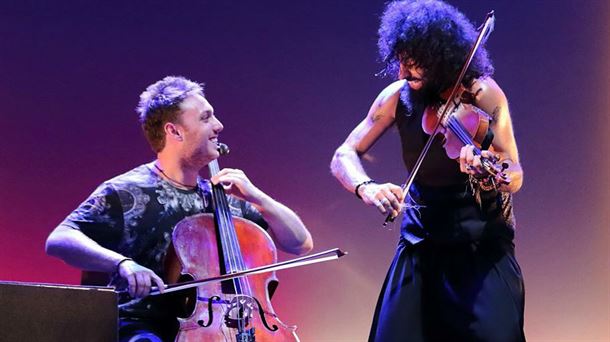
125 226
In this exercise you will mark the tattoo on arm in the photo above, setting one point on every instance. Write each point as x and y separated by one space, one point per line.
377 117
495 112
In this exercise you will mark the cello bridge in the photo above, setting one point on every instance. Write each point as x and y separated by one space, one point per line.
240 311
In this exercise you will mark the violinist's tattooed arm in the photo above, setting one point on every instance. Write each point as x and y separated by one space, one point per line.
495 112
493 101
346 164
378 116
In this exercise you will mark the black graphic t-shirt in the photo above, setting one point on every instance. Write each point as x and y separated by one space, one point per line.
134 214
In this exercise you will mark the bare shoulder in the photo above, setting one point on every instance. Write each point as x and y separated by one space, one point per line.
391 92
486 85
386 101
379 118
489 96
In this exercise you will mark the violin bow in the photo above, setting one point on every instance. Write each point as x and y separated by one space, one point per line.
331 254
484 33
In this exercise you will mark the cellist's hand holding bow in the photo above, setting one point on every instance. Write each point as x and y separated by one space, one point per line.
139 278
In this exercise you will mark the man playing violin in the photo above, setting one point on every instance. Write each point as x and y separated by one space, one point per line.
454 276
125 227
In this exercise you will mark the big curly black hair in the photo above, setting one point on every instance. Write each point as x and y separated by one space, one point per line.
434 36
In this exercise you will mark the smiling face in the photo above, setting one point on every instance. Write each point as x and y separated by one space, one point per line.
199 130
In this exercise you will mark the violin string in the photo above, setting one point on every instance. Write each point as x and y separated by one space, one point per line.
457 128
460 131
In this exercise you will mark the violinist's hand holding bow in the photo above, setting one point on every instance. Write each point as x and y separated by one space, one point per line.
386 197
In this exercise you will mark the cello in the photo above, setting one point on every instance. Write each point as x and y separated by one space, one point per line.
212 245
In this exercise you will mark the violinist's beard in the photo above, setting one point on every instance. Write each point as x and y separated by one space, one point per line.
426 95
421 98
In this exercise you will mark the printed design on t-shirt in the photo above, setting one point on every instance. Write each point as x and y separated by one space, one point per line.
95 206
173 200
163 245
235 209
133 201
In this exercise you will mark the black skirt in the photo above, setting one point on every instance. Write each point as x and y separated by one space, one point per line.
454 276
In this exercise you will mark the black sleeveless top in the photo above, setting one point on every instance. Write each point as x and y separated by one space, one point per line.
442 206
437 169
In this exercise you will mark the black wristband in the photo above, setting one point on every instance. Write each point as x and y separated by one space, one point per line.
118 265
361 184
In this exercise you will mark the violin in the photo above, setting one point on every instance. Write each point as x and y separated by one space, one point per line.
464 124
459 121
213 245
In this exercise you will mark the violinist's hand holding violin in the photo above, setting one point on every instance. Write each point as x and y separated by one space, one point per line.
471 164
235 182
385 197
139 278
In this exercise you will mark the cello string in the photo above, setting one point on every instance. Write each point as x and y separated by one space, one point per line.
229 239
244 285
219 208
224 221
228 247
223 217
229 242
221 224
233 243
237 257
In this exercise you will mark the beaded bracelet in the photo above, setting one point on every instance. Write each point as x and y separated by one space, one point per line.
361 184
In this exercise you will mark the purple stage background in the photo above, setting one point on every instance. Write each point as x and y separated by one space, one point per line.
289 80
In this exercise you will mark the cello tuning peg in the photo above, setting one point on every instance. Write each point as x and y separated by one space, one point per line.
222 148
